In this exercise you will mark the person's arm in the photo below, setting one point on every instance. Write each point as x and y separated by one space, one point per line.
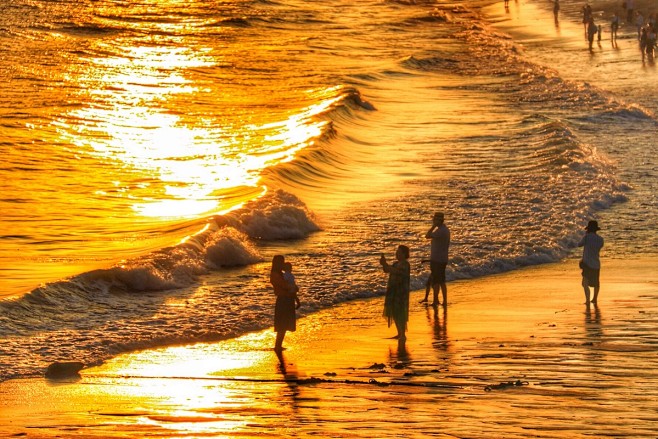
582 241
430 232
385 266
390 268
279 283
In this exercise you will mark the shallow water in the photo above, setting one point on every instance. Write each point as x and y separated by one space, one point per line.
532 362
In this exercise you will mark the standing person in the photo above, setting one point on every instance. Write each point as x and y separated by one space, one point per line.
292 282
396 303
428 284
639 22
592 29
630 9
590 263
440 236
651 42
614 26
643 40
284 308
556 9
587 15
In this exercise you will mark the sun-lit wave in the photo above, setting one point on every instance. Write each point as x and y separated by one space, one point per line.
225 241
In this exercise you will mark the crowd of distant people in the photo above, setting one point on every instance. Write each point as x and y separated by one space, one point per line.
647 27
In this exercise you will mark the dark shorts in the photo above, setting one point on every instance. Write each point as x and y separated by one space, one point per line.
591 275
438 270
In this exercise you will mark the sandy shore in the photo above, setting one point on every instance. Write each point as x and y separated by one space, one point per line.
576 371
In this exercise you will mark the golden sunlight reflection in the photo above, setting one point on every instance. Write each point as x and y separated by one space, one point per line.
196 389
168 167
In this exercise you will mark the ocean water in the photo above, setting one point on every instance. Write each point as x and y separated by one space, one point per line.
157 154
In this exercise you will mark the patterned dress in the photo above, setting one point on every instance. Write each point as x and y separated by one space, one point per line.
396 303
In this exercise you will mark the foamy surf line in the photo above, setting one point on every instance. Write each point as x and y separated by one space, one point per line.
514 354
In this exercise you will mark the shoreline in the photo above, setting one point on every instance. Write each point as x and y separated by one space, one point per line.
513 354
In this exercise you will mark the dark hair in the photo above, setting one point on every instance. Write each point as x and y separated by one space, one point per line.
277 263
405 250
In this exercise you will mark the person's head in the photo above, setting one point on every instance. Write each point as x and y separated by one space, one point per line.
287 267
592 226
277 263
402 253
438 218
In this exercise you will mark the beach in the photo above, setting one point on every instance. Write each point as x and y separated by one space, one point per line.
514 355
337 139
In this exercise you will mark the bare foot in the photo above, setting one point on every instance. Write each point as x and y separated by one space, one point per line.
423 301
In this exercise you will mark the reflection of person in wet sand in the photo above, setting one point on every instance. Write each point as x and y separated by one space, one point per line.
439 328
284 309
396 303
590 263
440 236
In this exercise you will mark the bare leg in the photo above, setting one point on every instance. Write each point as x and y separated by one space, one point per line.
444 291
278 345
435 296
596 294
428 287
400 326
586 290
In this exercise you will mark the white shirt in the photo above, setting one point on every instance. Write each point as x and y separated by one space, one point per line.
592 244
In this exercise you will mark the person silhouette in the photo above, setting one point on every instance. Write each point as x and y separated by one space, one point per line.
396 302
284 309
440 236
590 262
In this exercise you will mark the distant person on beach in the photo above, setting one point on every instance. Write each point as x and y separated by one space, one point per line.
284 309
592 30
639 22
292 282
556 9
590 264
428 284
643 41
651 41
587 15
630 9
614 26
396 303
440 236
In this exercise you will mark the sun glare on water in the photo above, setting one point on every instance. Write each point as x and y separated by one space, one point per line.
164 164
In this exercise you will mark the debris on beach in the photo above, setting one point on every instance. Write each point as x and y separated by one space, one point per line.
508 384
377 366
64 369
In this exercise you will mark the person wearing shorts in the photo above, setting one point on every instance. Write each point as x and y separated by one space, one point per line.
440 236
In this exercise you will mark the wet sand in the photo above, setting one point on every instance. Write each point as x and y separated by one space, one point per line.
515 355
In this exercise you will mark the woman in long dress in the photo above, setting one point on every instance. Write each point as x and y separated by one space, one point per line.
396 303
285 318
